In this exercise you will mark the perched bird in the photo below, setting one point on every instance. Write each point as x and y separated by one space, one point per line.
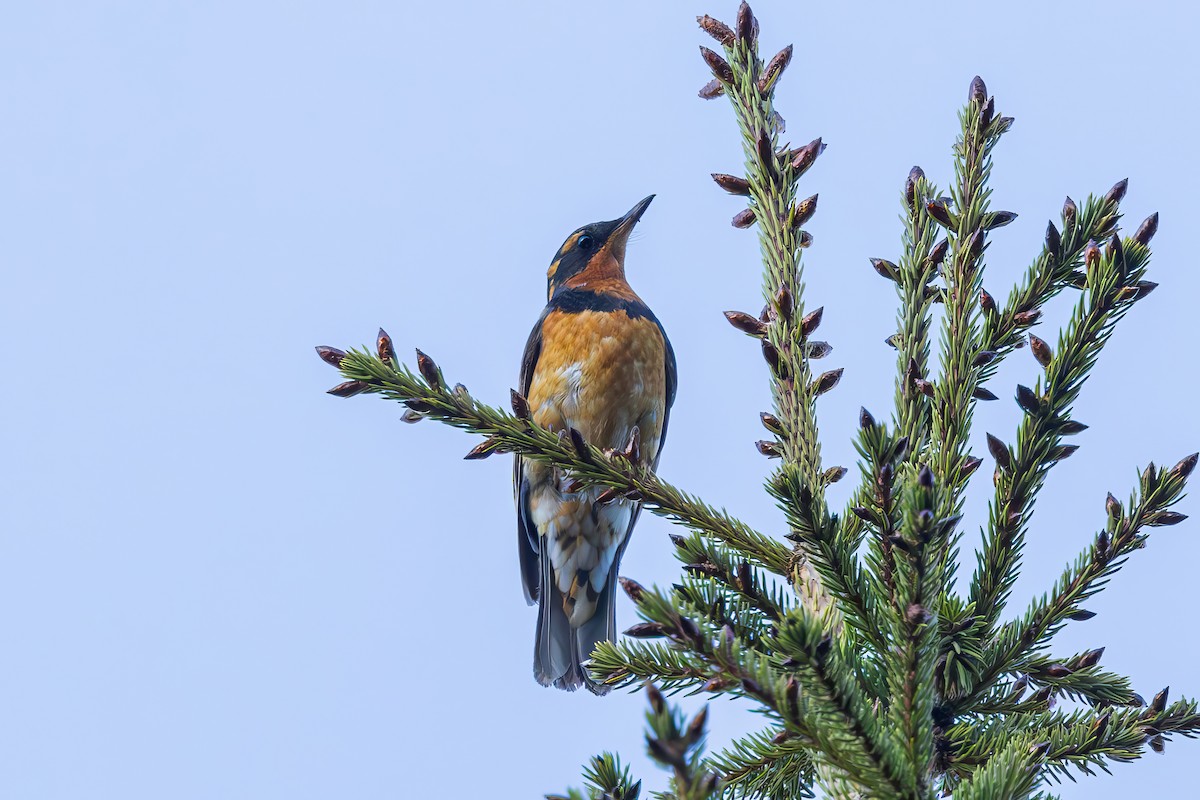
598 361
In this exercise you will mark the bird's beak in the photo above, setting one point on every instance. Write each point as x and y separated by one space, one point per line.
620 234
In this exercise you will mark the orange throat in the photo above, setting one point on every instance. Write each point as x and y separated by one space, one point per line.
604 274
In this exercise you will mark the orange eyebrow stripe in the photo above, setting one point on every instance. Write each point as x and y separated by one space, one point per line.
569 243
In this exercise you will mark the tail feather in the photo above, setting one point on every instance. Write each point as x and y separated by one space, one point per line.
602 627
554 652
561 650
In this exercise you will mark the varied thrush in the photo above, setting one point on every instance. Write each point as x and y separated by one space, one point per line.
597 361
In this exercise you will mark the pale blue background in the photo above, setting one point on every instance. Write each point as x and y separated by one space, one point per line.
218 582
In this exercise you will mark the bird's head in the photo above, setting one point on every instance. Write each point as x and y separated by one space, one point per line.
594 253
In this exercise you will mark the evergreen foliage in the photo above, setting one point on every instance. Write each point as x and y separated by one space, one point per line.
877 677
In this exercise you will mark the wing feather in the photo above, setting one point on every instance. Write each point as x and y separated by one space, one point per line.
528 542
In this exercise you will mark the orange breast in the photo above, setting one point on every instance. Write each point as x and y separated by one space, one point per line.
601 372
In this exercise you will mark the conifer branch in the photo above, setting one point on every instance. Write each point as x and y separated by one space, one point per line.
772 175
832 554
851 737
772 180
1082 739
703 557
1021 471
708 600
1159 490
1056 267
1077 679
704 642
920 262
672 744
882 457
920 553
1009 697
678 747
966 226
1012 773
607 779
822 703
767 764
625 663
509 434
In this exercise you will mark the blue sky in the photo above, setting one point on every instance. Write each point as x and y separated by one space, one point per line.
217 581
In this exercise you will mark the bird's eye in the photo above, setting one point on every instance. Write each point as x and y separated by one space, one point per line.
585 242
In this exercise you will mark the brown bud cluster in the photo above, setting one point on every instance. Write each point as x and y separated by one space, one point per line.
1053 240
646 630
818 350
744 218
1184 468
717 30
1117 193
384 348
331 355
940 213
772 423
834 474
747 24
1143 288
774 69
719 66
910 185
1158 704
772 357
768 449
482 450
803 158
978 93
1026 318
348 389
1147 229
811 321
983 358
969 465
938 254
827 381
732 183
766 153
579 444
785 303
804 211
429 371
746 323
999 451
1041 351
1070 213
711 90
997 219
886 269
1089 659
520 405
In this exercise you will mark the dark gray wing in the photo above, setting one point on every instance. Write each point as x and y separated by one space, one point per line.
527 536
672 383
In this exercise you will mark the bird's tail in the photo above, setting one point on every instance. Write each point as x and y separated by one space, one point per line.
561 649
